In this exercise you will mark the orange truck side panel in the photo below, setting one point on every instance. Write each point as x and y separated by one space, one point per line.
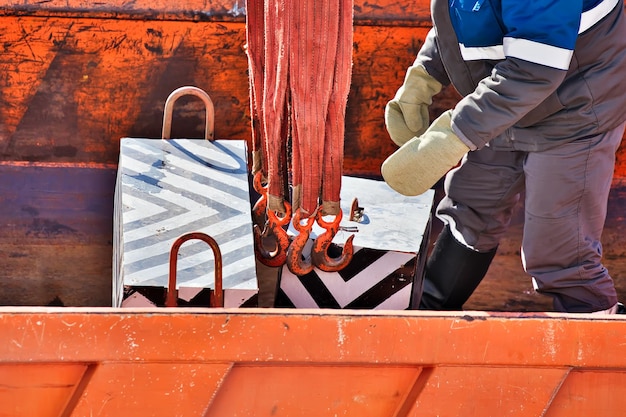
272 362
30 390
150 389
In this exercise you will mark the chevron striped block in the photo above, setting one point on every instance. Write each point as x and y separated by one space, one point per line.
390 245
167 188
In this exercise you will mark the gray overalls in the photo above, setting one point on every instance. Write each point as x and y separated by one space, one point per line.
537 130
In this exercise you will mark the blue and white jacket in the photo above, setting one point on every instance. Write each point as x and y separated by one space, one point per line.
532 74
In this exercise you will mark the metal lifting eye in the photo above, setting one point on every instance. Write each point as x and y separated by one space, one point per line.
217 299
186 91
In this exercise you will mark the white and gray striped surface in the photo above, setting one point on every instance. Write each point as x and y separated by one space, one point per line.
167 188
387 262
374 279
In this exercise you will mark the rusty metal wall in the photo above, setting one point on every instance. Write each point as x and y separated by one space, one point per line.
79 76
76 76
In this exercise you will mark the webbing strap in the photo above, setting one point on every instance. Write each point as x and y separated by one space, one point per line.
300 59
310 69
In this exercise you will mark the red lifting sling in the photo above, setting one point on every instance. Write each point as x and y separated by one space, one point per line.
299 85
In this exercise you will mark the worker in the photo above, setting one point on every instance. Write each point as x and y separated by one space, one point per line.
542 115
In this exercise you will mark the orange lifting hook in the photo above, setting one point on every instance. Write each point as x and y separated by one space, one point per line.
258 211
296 262
260 207
319 253
217 300
273 228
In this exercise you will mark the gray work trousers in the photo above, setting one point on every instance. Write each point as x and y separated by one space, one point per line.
566 193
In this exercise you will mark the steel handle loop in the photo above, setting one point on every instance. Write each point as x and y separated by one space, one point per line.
218 299
185 91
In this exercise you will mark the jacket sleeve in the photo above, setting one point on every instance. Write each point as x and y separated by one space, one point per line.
428 56
537 43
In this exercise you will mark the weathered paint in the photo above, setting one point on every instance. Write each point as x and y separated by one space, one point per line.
56 234
388 12
78 76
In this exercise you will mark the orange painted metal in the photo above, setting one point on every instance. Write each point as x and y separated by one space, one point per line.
42 389
272 362
385 12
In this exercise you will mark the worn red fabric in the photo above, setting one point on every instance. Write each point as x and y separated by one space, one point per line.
300 59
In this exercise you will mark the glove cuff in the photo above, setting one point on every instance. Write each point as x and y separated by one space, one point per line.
419 86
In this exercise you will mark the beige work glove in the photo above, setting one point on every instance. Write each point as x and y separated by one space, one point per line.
406 116
422 161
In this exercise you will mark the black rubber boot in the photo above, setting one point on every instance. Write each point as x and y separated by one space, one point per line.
452 273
